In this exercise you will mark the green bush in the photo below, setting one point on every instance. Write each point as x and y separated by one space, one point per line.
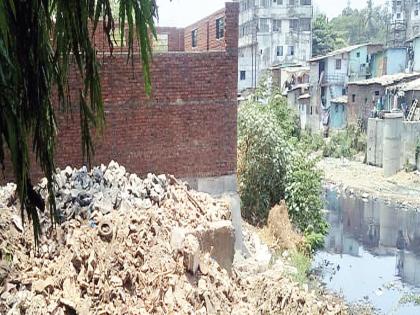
346 143
302 195
273 167
263 152
311 142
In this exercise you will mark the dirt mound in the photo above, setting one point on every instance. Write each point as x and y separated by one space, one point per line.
279 232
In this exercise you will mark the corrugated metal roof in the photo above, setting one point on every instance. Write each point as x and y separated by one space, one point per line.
386 80
409 86
340 51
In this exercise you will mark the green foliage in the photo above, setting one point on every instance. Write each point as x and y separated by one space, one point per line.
362 26
346 143
302 195
272 166
351 27
39 42
311 142
302 263
325 38
262 161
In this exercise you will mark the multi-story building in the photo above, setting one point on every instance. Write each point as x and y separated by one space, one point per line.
272 32
405 22
329 77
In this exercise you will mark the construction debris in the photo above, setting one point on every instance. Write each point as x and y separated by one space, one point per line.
130 246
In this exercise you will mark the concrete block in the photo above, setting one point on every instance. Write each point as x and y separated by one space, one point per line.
218 240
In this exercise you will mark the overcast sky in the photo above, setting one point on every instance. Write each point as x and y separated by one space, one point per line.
184 12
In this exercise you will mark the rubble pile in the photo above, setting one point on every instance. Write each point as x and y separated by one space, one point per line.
116 252
127 245
266 286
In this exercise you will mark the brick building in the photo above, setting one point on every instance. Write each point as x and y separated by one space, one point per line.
187 126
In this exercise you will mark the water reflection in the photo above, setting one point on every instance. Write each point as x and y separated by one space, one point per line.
374 226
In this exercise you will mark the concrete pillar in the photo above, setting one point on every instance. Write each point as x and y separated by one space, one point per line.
392 143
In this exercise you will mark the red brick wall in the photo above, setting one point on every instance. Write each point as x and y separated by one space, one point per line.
187 127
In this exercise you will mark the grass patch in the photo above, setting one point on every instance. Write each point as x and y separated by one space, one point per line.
302 263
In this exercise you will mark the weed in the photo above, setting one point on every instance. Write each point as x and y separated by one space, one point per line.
302 263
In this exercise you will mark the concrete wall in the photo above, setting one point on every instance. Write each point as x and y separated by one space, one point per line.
410 140
375 142
410 135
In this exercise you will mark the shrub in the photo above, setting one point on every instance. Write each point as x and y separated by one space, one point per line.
262 151
272 166
346 143
302 194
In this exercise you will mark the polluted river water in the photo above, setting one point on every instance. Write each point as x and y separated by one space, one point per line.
372 253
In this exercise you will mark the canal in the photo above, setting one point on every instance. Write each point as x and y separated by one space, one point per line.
372 253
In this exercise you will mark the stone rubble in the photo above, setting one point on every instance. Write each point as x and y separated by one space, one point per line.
127 245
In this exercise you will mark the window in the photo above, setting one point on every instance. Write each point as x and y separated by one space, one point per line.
305 2
194 38
338 64
398 15
291 2
220 28
305 24
294 25
311 110
377 93
279 51
160 44
291 50
416 12
242 75
266 3
353 98
264 27
279 2
336 108
344 91
358 54
276 25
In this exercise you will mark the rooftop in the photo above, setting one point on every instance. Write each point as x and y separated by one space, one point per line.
386 80
341 51
409 86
